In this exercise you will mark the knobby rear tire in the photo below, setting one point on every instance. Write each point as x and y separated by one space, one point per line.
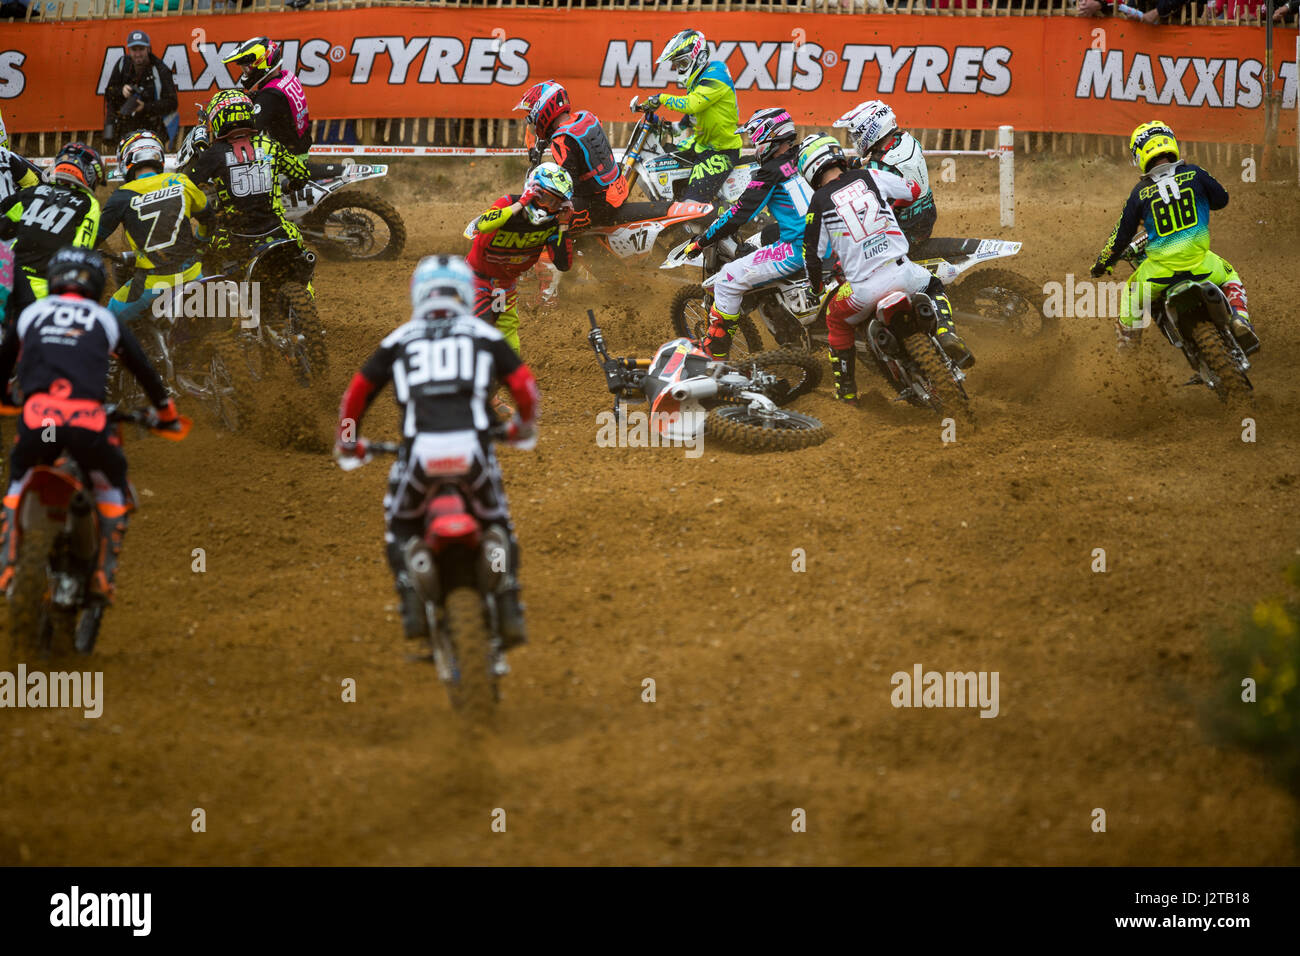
474 697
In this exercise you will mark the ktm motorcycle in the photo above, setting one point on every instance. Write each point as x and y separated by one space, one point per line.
51 608
691 395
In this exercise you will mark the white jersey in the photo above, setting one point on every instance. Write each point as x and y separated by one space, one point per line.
853 218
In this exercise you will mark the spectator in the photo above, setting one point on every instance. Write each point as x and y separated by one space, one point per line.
1280 13
1229 9
1105 8
141 94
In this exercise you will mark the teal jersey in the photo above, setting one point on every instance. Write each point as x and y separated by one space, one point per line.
1175 210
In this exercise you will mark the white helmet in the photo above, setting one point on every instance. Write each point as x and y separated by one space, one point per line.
688 52
441 284
868 123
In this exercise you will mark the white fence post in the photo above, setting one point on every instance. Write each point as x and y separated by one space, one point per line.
1007 174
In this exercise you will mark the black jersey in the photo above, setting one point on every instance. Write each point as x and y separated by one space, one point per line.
442 372
246 173
68 338
43 219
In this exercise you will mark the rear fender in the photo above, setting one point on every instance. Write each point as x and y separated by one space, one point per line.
449 523
1189 302
282 257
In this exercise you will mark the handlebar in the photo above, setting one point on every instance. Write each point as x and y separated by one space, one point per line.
496 433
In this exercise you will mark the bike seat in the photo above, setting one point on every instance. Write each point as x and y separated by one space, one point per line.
938 248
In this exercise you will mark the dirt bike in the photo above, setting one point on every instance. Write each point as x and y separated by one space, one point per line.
692 395
597 248
1194 316
288 330
786 306
652 161
342 225
454 567
57 544
351 224
998 296
189 348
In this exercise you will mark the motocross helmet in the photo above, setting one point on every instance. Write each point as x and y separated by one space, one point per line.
769 129
4 133
260 58
869 124
1149 142
76 270
554 189
230 112
818 153
195 142
545 102
78 165
689 54
142 148
441 285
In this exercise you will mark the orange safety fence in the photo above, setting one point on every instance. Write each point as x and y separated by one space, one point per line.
1051 74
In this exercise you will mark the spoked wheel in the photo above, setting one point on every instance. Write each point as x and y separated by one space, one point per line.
1004 297
298 332
798 372
473 687
29 631
356 225
690 317
945 397
1230 385
782 430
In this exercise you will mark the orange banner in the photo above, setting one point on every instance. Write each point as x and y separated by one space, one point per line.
1036 73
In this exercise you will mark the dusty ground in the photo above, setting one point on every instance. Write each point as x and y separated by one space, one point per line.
773 687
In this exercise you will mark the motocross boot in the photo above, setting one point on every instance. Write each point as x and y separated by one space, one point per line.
510 608
717 341
953 345
1239 324
1127 337
8 541
112 529
411 606
843 367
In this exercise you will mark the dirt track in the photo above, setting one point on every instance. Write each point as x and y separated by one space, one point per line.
773 688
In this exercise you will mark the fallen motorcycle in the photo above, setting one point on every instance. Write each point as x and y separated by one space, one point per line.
1194 317
51 608
692 395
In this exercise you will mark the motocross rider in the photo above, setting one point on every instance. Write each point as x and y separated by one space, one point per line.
578 143
510 237
710 102
154 209
279 102
443 363
61 346
852 215
1172 201
882 145
43 218
777 186
245 167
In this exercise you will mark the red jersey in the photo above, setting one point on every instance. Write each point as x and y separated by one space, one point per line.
505 247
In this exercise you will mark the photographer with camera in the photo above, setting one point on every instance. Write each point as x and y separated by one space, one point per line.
141 94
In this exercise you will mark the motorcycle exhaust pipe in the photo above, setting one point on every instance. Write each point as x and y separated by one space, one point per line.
420 566
83 536
697 388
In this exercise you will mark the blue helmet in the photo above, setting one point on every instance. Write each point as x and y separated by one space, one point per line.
441 284
553 186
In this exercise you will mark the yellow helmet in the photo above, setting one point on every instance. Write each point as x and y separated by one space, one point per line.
1149 141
